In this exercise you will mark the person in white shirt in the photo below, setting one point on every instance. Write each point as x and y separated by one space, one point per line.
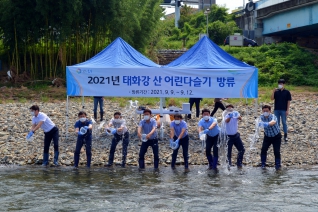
231 124
41 120
120 132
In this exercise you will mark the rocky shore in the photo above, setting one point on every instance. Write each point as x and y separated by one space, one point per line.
15 122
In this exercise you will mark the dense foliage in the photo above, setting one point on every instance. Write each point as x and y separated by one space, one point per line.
296 65
193 23
41 37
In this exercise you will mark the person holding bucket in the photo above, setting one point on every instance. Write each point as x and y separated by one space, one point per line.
179 137
148 134
231 123
120 133
209 125
83 128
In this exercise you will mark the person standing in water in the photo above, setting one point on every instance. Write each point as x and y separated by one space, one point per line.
209 126
179 134
51 132
231 125
272 136
120 132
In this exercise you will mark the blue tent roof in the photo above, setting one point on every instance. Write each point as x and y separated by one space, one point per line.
206 55
118 54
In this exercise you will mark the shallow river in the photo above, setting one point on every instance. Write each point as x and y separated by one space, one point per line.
100 189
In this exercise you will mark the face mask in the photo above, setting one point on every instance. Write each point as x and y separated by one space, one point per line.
177 121
266 113
280 86
206 117
229 109
82 119
146 117
32 113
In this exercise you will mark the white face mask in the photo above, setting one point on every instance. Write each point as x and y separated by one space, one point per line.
206 117
280 86
146 117
266 113
82 119
177 121
229 109
32 113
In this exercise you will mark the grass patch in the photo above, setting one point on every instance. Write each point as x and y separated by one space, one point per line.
22 100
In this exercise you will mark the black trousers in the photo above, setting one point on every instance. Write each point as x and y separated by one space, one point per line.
275 141
212 142
48 136
217 105
184 142
153 143
195 101
115 141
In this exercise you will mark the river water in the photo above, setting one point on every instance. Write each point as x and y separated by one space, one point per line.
99 189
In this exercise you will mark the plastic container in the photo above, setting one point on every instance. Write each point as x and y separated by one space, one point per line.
174 145
143 137
108 131
83 130
236 114
202 136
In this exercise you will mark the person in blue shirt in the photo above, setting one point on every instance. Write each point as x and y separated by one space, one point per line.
83 138
148 126
179 134
120 132
272 136
209 126
231 126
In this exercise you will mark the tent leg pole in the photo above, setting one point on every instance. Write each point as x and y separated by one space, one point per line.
83 103
256 107
67 118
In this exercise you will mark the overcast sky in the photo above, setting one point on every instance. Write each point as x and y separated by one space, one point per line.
231 4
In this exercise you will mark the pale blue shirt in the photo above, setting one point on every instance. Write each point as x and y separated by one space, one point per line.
206 124
178 128
47 122
147 127
231 126
118 124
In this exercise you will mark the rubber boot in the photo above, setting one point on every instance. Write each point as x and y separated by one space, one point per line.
45 159
95 116
210 159
277 163
141 164
215 163
101 116
56 158
263 161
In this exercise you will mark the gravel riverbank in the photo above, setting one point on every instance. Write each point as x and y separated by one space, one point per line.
15 123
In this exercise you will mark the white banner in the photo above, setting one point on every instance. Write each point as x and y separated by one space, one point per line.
162 82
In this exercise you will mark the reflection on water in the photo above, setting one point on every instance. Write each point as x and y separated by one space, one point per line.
98 189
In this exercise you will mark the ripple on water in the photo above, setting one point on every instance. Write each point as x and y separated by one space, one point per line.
27 188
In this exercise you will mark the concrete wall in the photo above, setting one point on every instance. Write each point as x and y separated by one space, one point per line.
287 20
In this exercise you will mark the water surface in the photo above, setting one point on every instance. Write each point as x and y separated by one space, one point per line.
100 189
